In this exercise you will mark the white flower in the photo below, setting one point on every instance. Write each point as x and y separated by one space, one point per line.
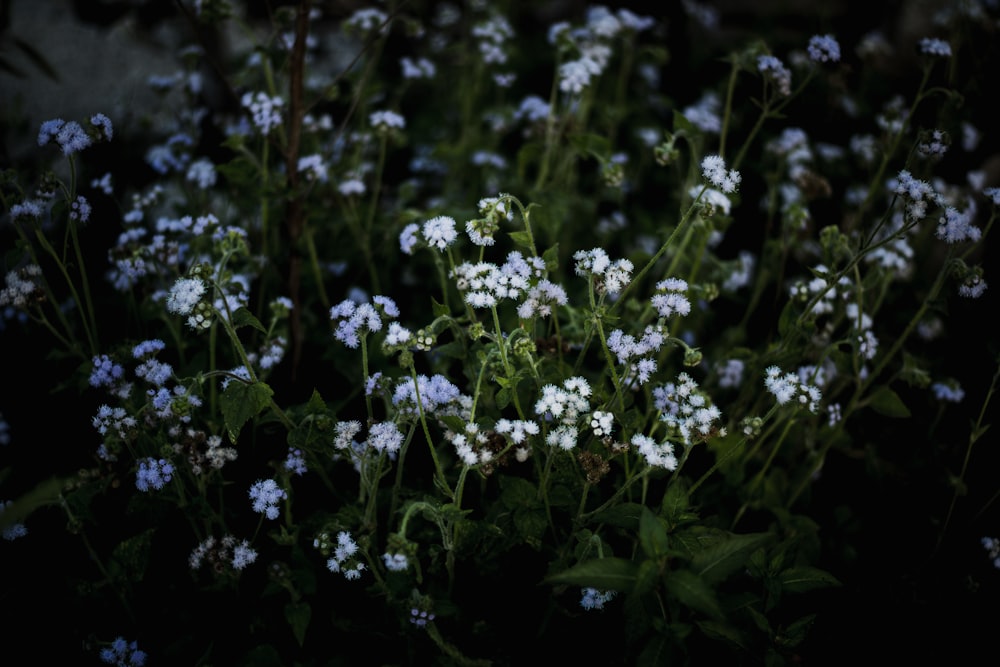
440 231
185 295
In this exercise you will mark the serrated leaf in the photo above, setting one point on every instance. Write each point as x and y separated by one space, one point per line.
517 492
298 615
608 574
805 578
243 317
530 524
692 591
439 309
887 402
716 562
131 557
316 404
241 402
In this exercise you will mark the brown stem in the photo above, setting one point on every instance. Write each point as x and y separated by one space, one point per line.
295 212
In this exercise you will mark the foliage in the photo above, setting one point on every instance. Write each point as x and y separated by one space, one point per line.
495 342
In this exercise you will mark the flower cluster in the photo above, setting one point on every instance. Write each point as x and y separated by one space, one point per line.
13 530
564 406
788 387
637 354
123 653
609 276
264 109
687 410
153 474
992 546
713 168
355 320
593 598
227 552
345 557
265 495
485 284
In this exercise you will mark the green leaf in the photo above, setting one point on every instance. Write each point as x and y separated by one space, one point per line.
454 350
591 144
683 126
692 540
241 402
528 154
454 422
130 558
608 574
531 524
44 493
723 631
886 402
624 515
517 492
692 591
239 172
760 620
439 309
502 398
913 374
298 614
794 634
655 653
675 502
647 577
788 320
243 317
551 258
316 404
522 239
652 534
805 578
718 561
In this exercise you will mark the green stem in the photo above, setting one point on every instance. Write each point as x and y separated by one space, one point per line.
758 478
438 471
974 436
659 253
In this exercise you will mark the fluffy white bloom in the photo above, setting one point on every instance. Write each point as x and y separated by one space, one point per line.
185 295
713 168
440 232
